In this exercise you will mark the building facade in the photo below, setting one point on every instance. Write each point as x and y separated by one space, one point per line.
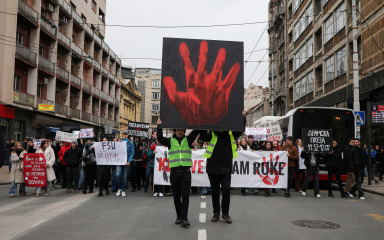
320 49
148 81
53 53
254 95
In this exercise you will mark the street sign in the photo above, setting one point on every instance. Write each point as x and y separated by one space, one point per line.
360 117
377 113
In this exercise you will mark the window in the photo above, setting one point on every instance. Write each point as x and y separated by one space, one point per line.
41 50
339 18
328 29
155 95
17 83
329 69
155 107
309 14
154 71
73 6
94 6
101 15
84 18
154 119
303 90
310 82
325 2
297 90
20 38
156 83
340 62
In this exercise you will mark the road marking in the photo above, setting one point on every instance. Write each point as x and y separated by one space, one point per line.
38 223
202 196
203 204
202 217
377 217
202 234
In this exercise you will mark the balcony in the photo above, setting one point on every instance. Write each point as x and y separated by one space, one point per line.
76 49
109 123
97 39
117 81
76 17
110 75
117 102
111 100
64 40
74 113
61 109
47 65
28 12
95 119
26 53
87 87
103 121
23 98
112 54
62 74
48 27
104 71
42 101
96 91
118 60
86 116
96 65
87 58
281 67
76 81
105 47
66 7
104 96
88 30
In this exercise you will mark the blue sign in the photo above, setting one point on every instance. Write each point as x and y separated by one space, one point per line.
360 117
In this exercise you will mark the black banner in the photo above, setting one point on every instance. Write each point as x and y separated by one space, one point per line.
138 129
317 140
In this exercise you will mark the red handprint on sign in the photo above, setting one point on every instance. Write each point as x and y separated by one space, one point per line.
267 179
205 101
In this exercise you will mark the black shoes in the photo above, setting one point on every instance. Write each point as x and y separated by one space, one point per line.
84 191
178 221
287 195
133 190
107 192
331 195
146 189
216 217
185 223
100 194
227 219
267 194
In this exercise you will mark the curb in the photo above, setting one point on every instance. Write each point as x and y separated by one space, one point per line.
372 192
5 183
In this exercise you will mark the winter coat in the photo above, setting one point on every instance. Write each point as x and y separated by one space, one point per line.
138 153
17 173
49 155
334 160
73 157
62 152
293 154
89 154
349 158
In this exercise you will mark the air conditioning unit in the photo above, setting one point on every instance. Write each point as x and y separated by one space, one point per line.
63 19
44 81
50 7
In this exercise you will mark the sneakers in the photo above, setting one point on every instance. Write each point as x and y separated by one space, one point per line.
226 218
331 195
118 193
156 194
362 198
350 195
161 195
318 196
215 218
185 223
178 221
123 194
303 193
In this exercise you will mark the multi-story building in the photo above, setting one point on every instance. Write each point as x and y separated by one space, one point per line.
320 48
52 52
148 81
253 95
130 99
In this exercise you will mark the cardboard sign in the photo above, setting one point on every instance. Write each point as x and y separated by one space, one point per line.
66 137
202 84
317 140
249 170
86 133
138 129
34 170
37 143
111 153
273 129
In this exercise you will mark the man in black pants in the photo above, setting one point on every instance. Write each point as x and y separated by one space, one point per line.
334 164
358 161
136 166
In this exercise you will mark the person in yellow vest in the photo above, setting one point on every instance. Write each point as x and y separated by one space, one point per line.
220 152
180 162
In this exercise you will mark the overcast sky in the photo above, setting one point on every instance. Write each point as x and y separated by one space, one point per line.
147 42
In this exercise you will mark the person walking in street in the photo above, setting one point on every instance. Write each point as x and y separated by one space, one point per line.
89 163
333 161
73 157
245 146
17 173
300 168
348 154
49 155
358 162
180 162
380 164
312 164
63 166
103 176
268 148
122 171
136 166
293 157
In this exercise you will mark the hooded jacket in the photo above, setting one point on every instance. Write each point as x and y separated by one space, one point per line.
62 152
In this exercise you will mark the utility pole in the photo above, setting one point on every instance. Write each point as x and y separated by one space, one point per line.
355 65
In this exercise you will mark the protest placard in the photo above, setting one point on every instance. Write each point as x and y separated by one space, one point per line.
66 137
259 134
37 143
317 140
86 133
34 170
138 129
273 129
250 169
111 153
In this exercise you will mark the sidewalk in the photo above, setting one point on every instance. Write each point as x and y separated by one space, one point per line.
4 175
375 188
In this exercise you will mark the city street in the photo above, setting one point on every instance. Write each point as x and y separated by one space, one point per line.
141 216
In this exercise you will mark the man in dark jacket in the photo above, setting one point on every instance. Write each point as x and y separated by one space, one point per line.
348 154
333 160
311 162
358 163
137 163
73 157
293 157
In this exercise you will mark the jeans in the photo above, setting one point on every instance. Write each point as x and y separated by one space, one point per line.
13 189
181 184
291 171
358 183
336 172
9 163
81 173
122 176
225 182
113 180
47 189
312 172
148 172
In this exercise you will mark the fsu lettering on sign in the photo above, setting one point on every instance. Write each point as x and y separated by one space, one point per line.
34 170
111 153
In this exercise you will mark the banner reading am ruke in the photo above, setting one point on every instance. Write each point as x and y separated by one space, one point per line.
250 169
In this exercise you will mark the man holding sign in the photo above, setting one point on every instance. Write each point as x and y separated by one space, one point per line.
123 170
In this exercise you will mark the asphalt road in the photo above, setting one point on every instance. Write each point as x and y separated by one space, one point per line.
142 216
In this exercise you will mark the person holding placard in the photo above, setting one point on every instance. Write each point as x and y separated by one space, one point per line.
122 171
49 155
89 162
73 158
312 164
300 168
17 173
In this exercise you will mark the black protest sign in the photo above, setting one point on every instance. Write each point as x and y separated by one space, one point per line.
202 84
317 140
138 129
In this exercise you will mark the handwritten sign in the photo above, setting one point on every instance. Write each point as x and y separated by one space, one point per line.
66 137
111 153
273 129
259 134
34 170
138 129
317 140
37 143
86 133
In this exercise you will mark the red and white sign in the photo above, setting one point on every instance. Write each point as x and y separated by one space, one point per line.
34 170
249 169
86 133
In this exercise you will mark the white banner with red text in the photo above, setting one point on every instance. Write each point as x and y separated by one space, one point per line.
249 169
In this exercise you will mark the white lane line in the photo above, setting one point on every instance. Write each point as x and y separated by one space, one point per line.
202 196
203 204
202 217
38 223
202 234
